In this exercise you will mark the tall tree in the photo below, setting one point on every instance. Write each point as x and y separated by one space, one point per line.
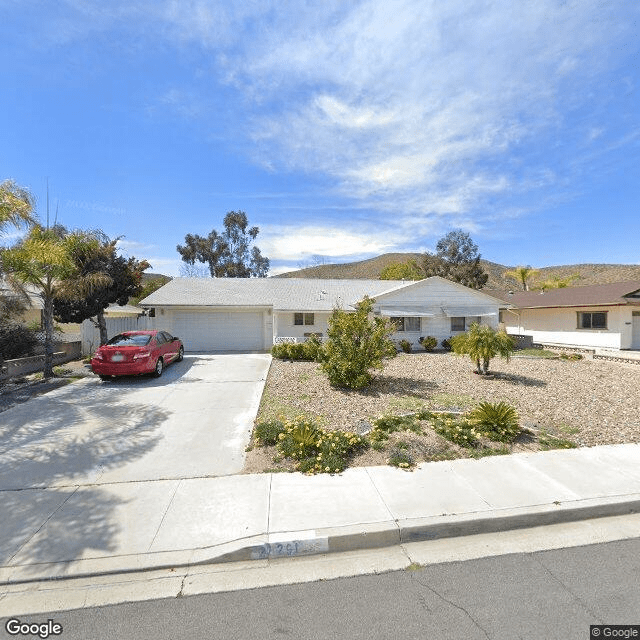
114 277
44 260
523 275
16 206
229 254
457 259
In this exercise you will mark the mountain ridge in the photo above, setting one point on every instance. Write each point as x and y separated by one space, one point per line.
588 273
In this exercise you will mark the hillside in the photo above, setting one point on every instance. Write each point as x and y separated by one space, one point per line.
371 268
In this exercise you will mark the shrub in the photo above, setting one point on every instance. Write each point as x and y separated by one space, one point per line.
389 424
317 450
401 458
357 343
16 341
267 432
498 421
405 345
310 350
429 343
571 356
460 431
446 343
481 343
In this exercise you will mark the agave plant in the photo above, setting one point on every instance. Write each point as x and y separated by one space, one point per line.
498 421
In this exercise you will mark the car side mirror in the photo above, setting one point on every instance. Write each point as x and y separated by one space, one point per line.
175 338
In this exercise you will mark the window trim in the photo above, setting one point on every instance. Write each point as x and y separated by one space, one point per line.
464 323
400 324
306 319
582 314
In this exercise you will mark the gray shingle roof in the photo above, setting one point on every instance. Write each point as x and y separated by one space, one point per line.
285 294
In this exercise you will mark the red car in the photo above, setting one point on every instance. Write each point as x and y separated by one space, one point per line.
134 352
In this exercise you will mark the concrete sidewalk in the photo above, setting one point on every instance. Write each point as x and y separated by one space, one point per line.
89 530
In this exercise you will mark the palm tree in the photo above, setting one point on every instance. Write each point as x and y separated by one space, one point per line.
44 260
522 274
482 343
16 206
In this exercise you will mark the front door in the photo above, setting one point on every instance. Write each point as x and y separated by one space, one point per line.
635 335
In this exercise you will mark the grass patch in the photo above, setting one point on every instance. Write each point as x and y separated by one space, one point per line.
405 403
538 353
548 442
483 452
452 401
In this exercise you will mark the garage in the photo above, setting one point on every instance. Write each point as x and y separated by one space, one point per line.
220 330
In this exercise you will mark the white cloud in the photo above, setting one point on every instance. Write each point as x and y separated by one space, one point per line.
300 243
422 108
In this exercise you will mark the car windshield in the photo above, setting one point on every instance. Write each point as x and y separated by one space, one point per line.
131 340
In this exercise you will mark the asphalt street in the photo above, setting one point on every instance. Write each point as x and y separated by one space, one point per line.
546 595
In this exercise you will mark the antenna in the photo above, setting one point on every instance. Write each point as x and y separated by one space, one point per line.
47 203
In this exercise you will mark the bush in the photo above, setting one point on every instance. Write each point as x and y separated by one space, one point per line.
267 432
571 356
16 341
429 343
400 458
497 421
357 343
446 343
310 350
405 345
317 450
460 431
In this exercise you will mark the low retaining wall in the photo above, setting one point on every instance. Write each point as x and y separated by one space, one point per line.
63 352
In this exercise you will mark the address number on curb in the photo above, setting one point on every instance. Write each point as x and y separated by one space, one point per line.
291 548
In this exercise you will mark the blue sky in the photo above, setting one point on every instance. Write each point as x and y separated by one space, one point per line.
344 130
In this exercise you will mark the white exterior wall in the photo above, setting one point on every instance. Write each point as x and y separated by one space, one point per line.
435 295
283 326
560 326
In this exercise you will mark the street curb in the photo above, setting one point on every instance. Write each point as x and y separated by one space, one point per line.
331 540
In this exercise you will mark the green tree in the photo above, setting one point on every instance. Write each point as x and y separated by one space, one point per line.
481 343
357 343
228 254
408 270
16 206
113 278
523 275
457 259
44 260
556 282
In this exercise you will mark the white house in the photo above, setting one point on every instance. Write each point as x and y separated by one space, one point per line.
596 316
232 314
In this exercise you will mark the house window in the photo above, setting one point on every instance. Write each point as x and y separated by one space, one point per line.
303 319
462 324
406 323
592 319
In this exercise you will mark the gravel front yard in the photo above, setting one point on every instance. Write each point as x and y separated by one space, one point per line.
591 402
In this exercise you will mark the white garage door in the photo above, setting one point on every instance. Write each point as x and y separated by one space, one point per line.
219 331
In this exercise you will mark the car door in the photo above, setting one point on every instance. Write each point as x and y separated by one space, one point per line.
169 346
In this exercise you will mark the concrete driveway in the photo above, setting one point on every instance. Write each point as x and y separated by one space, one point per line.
194 421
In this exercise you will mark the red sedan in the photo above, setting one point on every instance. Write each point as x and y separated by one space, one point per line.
135 352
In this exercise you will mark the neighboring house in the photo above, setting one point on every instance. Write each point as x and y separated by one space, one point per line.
595 316
32 315
235 314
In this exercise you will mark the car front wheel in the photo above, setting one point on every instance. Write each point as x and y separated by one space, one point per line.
157 372
180 355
